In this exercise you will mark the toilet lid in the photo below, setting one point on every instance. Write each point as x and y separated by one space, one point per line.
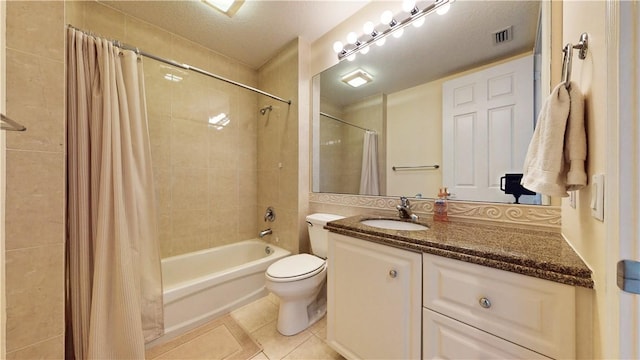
296 266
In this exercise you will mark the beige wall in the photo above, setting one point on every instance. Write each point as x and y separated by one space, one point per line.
35 220
278 150
586 234
205 176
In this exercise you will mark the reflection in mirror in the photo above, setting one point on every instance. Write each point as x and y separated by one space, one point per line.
407 106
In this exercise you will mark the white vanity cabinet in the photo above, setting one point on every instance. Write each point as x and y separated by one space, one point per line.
374 299
473 311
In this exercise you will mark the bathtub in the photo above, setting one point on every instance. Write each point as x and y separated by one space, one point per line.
203 285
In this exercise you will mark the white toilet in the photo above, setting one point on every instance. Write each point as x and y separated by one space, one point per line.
299 280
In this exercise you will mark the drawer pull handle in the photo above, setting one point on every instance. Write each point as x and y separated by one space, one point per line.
393 274
485 303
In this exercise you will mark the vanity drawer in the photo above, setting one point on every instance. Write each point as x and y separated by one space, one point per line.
445 338
535 313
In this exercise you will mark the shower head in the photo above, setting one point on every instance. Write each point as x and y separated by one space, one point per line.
265 109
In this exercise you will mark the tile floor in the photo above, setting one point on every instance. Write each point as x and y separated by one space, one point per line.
259 319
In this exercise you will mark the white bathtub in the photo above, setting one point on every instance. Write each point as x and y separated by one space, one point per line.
203 285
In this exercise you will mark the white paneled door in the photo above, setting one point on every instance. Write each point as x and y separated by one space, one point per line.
488 121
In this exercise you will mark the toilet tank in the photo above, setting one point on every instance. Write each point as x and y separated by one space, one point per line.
318 236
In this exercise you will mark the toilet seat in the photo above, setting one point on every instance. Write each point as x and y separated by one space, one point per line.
296 267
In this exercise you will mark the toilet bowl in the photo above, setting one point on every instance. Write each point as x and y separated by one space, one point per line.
299 281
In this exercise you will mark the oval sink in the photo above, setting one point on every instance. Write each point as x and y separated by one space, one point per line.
393 224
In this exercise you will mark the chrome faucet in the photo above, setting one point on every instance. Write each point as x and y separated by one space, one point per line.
404 210
265 232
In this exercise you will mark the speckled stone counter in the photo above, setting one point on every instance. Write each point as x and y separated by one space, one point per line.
541 254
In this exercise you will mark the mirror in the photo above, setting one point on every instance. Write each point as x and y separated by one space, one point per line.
403 104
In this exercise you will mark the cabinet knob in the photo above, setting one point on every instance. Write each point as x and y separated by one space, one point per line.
485 303
393 273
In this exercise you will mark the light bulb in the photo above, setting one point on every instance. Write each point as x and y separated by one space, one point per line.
337 46
381 42
352 37
368 28
408 5
351 57
443 9
364 50
398 33
419 22
386 17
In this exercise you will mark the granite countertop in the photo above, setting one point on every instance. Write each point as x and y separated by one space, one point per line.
538 253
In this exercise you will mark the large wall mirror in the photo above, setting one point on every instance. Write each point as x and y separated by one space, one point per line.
423 143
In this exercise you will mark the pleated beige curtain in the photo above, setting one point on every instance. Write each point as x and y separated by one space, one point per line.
114 291
369 183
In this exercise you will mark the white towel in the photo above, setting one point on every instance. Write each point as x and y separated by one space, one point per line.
555 160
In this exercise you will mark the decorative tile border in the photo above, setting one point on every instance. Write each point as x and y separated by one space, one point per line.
545 216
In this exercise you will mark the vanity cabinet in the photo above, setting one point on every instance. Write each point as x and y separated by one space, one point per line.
374 299
473 311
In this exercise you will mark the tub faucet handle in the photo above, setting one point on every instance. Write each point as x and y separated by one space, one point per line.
270 215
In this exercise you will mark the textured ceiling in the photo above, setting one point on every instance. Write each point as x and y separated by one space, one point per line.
258 30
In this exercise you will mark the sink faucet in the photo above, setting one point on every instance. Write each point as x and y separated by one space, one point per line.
404 210
265 232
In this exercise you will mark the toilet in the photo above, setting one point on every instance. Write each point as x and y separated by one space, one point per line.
299 280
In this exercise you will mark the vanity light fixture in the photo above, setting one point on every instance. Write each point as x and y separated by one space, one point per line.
357 78
390 25
227 7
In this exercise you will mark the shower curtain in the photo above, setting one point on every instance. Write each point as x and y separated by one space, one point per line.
369 184
114 291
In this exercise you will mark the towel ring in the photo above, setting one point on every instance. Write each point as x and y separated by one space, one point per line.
583 48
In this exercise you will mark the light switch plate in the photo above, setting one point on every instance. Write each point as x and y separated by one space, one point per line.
597 196
572 199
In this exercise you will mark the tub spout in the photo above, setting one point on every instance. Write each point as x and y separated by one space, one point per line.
265 232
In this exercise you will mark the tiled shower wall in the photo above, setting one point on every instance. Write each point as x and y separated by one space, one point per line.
205 174
35 222
278 156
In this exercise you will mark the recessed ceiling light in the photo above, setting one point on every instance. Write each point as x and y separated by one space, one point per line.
357 78
227 7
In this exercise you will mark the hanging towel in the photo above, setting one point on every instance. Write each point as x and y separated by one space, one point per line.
369 184
555 159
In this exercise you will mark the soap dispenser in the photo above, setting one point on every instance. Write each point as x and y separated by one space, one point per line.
441 205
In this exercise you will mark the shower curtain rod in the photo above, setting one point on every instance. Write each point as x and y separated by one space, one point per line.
344 122
184 66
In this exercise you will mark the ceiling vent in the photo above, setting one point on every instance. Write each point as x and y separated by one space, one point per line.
502 36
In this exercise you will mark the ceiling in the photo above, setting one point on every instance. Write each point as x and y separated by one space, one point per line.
258 30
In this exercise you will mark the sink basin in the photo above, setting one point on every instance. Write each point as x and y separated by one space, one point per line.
393 225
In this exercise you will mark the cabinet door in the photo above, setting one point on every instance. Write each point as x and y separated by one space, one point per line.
445 338
374 300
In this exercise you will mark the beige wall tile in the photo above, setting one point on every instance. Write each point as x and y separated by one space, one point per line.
74 13
158 90
189 224
35 295
160 139
35 196
46 350
189 188
223 188
189 143
185 51
35 98
35 27
162 184
104 21
147 37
